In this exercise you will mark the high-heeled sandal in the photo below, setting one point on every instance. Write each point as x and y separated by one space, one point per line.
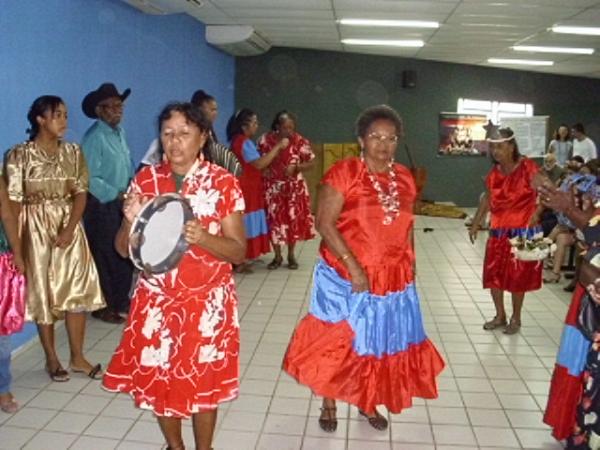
329 423
554 279
377 421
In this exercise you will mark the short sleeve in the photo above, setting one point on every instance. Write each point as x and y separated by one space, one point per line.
143 179
306 153
13 173
249 151
82 177
338 177
232 199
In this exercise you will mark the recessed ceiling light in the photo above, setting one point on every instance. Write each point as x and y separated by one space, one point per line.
389 23
520 62
543 49
588 31
384 42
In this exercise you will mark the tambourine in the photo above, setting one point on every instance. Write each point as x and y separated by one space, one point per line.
156 239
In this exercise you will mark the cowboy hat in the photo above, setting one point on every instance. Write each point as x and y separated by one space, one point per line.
496 135
106 90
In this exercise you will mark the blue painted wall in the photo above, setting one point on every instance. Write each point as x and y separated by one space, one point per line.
70 47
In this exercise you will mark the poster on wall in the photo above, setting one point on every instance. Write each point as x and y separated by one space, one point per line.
462 134
531 134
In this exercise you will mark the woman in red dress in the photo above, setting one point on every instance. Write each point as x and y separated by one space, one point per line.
240 129
512 200
363 339
178 355
288 203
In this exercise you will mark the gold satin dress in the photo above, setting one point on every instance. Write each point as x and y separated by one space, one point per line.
58 280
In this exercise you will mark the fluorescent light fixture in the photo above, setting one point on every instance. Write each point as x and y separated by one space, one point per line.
520 62
588 31
389 23
384 42
542 49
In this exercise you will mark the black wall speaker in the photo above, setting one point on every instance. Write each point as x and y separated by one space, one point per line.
409 79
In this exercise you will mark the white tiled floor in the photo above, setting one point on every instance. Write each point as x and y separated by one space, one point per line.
492 393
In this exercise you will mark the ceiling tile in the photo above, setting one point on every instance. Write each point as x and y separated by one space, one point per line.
272 4
423 7
470 32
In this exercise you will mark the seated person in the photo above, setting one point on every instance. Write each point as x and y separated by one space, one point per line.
551 169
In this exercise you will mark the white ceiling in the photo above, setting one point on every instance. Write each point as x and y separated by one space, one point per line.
471 31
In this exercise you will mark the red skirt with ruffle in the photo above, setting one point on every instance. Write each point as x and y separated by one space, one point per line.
321 356
566 388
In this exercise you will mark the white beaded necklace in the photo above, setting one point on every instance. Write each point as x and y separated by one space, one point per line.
390 202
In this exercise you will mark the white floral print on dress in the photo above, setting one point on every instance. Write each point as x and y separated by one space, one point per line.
153 322
204 202
209 353
158 357
212 315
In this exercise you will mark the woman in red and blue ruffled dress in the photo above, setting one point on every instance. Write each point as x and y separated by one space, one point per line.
574 397
363 341
511 198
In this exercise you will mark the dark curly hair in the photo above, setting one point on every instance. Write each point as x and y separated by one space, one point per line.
375 113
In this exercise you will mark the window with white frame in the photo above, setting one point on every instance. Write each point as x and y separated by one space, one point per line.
494 110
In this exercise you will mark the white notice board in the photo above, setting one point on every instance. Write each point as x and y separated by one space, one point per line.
531 133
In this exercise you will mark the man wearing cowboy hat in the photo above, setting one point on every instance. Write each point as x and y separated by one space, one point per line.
110 170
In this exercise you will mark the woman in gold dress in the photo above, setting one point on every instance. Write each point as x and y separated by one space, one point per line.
47 184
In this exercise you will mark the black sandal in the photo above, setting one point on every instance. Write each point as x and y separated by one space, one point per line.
329 424
275 263
58 375
292 264
378 422
95 373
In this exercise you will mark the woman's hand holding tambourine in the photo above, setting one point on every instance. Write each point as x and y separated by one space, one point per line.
194 233
132 205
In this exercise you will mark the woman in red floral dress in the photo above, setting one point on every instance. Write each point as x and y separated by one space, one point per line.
241 128
179 352
288 203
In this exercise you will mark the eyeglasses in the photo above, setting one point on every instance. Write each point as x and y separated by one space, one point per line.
383 138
